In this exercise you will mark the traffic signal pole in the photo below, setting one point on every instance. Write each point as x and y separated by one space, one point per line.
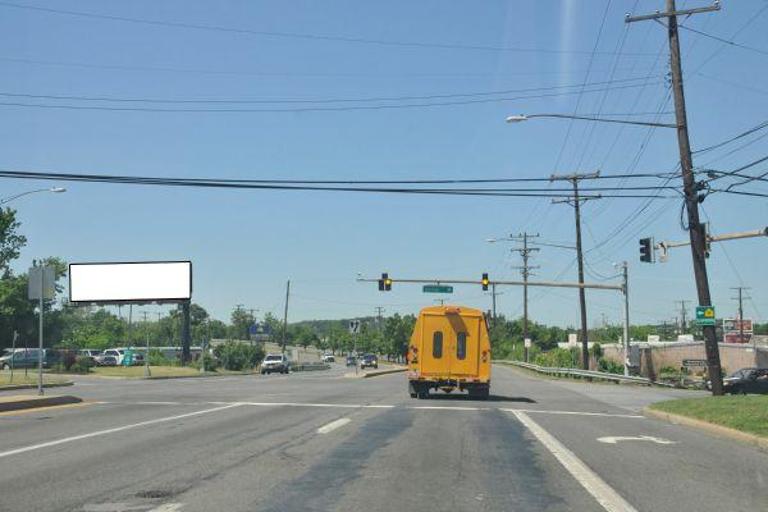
690 190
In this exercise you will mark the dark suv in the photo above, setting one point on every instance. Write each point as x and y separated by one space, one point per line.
747 380
369 361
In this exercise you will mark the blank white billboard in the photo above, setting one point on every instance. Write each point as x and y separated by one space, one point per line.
130 282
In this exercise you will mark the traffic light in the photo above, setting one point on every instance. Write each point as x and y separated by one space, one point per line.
485 281
646 250
385 283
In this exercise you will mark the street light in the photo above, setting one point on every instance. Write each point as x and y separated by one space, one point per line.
522 117
55 190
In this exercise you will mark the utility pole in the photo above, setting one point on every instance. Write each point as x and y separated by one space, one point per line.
379 311
285 314
683 316
625 276
147 373
690 187
740 298
525 271
575 201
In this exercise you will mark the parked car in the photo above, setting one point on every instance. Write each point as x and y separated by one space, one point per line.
23 358
747 380
90 353
105 360
369 361
275 363
351 360
119 355
328 358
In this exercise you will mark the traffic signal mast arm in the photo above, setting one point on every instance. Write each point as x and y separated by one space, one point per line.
664 246
550 284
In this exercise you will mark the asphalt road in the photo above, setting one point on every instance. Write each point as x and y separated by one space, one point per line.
319 441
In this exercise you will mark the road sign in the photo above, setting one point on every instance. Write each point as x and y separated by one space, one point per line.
527 342
694 363
436 288
705 315
354 326
48 285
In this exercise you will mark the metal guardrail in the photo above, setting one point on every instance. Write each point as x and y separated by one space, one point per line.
309 367
576 372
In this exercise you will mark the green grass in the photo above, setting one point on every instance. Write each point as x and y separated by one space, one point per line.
745 413
138 371
30 378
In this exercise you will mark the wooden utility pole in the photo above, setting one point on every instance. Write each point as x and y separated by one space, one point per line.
525 270
683 318
740 298
690 188
285 314
575 201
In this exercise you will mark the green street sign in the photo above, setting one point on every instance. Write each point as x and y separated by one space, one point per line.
705 315
436 288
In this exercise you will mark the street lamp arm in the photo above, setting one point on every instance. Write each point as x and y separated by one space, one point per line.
55 190
523 117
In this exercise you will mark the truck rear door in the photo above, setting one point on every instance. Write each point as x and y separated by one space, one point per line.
436 339
464 347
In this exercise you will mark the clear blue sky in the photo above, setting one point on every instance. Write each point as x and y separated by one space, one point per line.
245 244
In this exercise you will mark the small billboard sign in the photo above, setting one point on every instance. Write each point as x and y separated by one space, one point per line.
736 325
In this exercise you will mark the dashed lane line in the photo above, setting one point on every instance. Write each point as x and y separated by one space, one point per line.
122 428
330 427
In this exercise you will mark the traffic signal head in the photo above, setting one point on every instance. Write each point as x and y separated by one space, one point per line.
646 250
385 283
485 281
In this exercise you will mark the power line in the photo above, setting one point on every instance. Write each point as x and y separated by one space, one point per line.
723 40
300 35
304 109
741 135
213 183
118 99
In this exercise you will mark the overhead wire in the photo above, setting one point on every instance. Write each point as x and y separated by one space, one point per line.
290 35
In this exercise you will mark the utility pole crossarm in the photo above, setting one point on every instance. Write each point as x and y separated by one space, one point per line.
660 14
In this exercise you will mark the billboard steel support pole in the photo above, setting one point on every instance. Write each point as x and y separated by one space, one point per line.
40 334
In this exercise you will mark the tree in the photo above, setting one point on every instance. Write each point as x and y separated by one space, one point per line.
11 242
241 320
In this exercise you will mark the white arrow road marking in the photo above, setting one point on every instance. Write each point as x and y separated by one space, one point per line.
616 439
330 427
605 495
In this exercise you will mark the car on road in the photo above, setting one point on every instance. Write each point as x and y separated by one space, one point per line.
369 361
351 361
275 363
328 358
746 380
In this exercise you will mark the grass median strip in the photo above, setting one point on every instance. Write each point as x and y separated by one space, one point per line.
745 413
20 378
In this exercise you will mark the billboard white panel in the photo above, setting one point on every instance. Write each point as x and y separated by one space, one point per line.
130 282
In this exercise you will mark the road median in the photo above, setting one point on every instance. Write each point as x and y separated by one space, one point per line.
22 402
375 373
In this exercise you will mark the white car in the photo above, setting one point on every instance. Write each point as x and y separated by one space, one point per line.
328 358
275 363
119 355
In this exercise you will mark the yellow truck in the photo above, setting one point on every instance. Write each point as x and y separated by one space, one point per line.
449 350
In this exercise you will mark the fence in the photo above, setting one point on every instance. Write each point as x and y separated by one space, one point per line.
576 372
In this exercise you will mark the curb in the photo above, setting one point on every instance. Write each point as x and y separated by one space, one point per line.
710 428
35 402
382 372
13 387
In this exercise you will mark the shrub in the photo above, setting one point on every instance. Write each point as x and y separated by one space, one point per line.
157 358
211 363
81 365
609 366
238 356
558 358
596 351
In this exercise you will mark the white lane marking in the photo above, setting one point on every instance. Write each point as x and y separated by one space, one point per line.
330 427
616 439
577 413
447 408
113 430
167 507
299 404
608 498
156 403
